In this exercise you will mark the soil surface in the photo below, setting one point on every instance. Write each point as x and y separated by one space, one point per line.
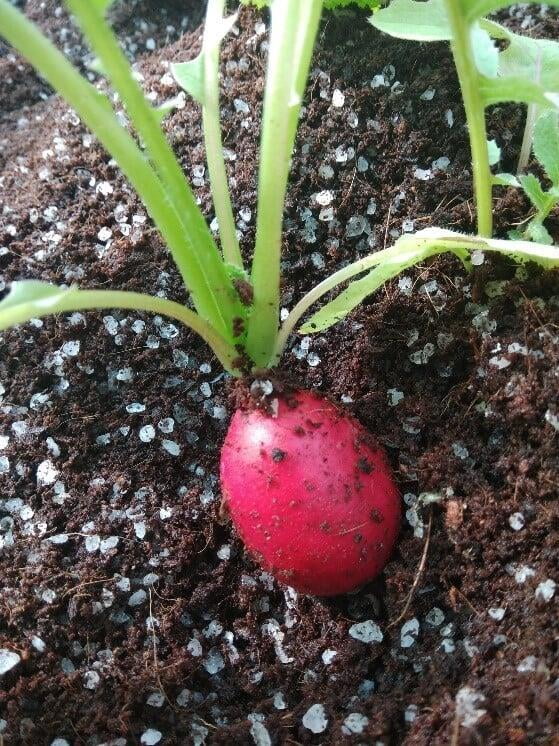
134 613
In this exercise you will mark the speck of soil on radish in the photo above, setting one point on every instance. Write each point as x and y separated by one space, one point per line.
129 612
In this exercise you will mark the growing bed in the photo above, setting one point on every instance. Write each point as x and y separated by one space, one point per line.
130 604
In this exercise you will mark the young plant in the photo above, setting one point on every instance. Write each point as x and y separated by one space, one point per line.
546 150
527 71
531 59
308 490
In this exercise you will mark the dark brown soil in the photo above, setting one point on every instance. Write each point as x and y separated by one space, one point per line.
130 602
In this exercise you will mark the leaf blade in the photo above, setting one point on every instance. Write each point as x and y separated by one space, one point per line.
190 76
356 292
504 179
538 232
533 190
546 144
515 89
29 299
416 21
493 152
532 59
486 54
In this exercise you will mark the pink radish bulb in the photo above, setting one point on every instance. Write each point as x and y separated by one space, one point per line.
311 496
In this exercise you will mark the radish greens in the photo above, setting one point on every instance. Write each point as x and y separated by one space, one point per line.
236 307
546 150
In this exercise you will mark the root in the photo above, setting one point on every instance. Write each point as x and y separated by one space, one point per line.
155 658
418 574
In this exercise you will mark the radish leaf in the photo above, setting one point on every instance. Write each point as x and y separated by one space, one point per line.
532 59
408 251
517 89
538 232
30 299
417 21
357 291
533 191
504 179
546 144
494 152
525 72
190 76
486 54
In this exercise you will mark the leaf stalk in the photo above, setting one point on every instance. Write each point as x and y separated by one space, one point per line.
468 76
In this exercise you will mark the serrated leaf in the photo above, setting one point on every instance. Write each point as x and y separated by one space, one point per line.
546 144
494 152
356 292
28 299
486 54
505 179
538 232
533 190
410 19
190 77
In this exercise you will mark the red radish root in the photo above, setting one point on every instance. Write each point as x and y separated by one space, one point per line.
311 496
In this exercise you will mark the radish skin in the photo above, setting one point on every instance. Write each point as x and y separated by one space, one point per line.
310 494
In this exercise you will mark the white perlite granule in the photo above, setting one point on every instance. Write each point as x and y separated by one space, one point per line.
467 706
315 719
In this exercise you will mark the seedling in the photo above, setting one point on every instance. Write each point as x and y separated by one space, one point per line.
309 492
546 150
527 71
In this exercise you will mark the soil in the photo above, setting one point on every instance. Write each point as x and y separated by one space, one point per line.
136 615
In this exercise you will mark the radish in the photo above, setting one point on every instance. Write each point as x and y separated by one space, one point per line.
310 494
308 491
